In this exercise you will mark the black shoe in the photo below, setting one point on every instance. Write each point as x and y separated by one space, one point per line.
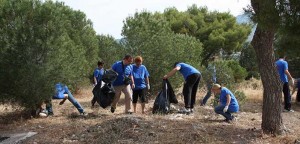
112 109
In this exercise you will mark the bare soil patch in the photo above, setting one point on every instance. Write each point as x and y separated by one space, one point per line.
102 126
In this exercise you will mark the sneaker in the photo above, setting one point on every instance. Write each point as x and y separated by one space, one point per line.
192 110
83 114
112 109
184 111
290 110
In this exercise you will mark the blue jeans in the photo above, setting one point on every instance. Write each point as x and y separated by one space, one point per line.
208 94
70 98
74 101
227 115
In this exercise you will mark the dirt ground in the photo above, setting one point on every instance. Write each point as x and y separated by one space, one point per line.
102 126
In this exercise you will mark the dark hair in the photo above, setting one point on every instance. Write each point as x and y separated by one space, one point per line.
176 64
127 56
100 63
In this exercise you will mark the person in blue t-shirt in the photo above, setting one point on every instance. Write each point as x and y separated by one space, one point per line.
141 82
123 82
98 73
282 68
62 92
227 102
192 78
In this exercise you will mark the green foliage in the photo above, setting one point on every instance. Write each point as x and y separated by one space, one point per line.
249 62
110 50
42 44
214 29
239 73
241 97
149 35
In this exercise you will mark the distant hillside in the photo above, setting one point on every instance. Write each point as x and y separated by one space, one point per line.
245 18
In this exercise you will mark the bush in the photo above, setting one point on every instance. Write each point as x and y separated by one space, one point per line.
42 43
241 97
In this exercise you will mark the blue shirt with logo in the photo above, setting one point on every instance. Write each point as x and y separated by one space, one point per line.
233 106
140 74
186 70
98 73
118 67
282 66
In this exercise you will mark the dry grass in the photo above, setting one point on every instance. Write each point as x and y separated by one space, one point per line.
101 126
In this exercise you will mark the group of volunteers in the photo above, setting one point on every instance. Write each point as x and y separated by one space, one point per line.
133 81
138 77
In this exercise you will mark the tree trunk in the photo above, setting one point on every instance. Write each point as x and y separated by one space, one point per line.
263 45
271 114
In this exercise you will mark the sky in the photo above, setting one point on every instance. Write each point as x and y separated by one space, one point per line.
108 15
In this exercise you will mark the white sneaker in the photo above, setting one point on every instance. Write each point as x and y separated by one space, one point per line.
184 111
285 110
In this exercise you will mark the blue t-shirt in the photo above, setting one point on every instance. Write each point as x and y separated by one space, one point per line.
186 69
282 65
233 106
139 75
60 90
98 73
117 67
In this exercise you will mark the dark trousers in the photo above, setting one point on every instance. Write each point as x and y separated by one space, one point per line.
190 90
287 96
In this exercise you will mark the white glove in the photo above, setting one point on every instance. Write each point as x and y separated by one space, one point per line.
293 82
148 86
225 109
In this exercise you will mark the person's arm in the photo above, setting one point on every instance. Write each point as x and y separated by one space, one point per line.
65 98
133 85
288 74
172 72
228 99
148 83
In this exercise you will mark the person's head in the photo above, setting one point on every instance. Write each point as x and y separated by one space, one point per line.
282 56
216 88
100 64
138 60
127 59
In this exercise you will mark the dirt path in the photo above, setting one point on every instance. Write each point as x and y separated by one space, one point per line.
101 126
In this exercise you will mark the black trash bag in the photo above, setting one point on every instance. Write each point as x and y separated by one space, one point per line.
109 76
105 95
162 101
172 96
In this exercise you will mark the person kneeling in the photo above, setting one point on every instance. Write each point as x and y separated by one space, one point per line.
227 103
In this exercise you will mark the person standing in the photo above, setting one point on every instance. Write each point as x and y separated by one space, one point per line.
282 68
123 82
141 81
192 78
98 73
227 102
211 70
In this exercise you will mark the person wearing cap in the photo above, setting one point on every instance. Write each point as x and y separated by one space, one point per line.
123 82
192 78
141 81
227 102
